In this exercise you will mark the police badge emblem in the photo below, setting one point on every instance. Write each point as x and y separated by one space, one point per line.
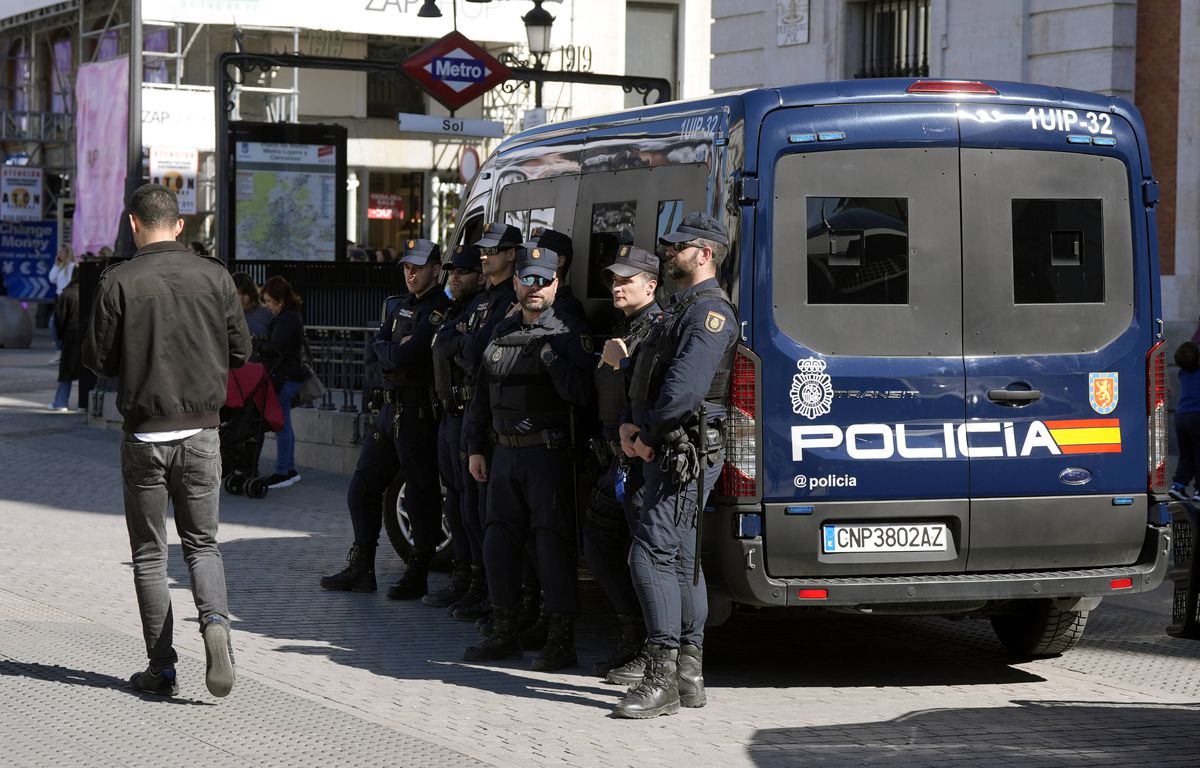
812 389
537 253
585 341
714 322
496 355
1103 392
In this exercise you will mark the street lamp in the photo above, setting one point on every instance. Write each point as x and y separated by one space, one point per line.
430 10
537 29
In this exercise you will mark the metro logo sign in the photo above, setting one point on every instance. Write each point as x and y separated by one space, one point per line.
455 71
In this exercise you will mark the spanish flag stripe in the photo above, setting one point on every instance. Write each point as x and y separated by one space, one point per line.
1086 436
1082 423
1108 448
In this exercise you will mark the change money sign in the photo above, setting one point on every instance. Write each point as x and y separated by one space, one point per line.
26 254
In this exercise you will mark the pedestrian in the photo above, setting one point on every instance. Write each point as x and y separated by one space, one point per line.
1187 422
535 370
67 320
464 343
61 273
677 393
613 506
464 283
281 350
258 317
168 326
403 438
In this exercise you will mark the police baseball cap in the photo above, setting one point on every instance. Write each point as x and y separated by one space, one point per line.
465 257
497 235
631 260
420 252
696 225
533 259
555 241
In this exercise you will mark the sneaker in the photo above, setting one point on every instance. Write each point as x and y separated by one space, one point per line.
1178 491
159 682
218 653
55 360
58 408
283 481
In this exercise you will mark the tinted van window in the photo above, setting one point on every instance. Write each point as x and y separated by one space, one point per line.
1058 251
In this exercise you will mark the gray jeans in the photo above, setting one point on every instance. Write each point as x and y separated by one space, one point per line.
187 473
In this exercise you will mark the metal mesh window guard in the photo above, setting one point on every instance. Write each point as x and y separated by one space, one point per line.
895 40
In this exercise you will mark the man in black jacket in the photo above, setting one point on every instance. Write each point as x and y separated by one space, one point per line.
168 325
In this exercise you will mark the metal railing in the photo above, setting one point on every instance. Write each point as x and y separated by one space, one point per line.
47 127
895 38
338 360
336 294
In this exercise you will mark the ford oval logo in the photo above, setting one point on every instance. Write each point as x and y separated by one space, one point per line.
1075 476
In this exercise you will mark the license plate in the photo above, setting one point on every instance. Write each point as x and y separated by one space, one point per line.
885 537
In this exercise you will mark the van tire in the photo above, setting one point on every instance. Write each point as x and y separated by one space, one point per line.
719 610
399 535
1038 629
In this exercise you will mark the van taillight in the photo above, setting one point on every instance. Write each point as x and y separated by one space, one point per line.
952 86
739 478
1156 417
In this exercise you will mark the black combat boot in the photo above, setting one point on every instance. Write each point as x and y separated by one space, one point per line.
631 633
658 693
358 576
531 618
460 582
691 676
558 652
415 581
632 672
475 602
503 643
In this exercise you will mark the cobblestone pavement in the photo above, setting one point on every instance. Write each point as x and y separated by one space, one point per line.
333 679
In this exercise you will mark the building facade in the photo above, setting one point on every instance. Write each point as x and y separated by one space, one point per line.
1147 52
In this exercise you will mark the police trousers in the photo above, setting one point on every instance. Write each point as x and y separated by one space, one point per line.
451 469
402 440
607 533
663 555
529 495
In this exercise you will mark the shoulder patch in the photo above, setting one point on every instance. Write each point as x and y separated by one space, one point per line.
714 322
436 317
585 341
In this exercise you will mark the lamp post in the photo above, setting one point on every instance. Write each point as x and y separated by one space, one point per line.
537 29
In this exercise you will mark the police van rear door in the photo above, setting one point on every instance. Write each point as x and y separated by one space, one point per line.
1054 338
858 326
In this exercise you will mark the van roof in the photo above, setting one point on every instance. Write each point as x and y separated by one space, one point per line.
756 102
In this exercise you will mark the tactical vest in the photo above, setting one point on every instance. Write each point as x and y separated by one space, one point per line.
446 375
657 353
522 394
611 396
417 377
482 311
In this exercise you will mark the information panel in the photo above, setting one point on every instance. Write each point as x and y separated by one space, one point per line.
287 192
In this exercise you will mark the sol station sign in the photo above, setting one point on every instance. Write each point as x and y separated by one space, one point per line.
455 71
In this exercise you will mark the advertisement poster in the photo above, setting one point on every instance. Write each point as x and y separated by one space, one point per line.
385 205
26 254
101 147
20 193
176 169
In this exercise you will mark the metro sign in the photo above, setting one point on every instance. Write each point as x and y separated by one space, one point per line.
454 70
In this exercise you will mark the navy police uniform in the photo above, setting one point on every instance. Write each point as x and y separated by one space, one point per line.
403 435
532 376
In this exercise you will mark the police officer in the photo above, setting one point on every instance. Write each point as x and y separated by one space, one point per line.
464 282
537 367
564 299
464 343
404 433
677 394
634 276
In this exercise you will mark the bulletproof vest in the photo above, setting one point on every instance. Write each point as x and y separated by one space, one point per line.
522 394
657 353
611 396
489 301
446 374
404 321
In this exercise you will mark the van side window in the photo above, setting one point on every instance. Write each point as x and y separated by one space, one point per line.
857 250
608 219
1058 251
670 216
530 219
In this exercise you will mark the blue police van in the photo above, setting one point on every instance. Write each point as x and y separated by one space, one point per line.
949 395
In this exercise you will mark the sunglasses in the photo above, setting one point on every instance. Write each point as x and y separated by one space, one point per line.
494 251
536 280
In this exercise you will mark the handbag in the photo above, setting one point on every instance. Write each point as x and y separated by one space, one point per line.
312 388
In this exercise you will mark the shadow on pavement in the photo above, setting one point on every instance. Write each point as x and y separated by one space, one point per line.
1062 733
82 677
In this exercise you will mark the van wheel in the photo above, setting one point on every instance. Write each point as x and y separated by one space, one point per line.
1038 629
399 529
719 610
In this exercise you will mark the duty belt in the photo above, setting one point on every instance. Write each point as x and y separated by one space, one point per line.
405 396
603 448
549 438
462 395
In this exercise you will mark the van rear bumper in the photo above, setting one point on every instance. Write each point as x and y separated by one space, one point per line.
740 575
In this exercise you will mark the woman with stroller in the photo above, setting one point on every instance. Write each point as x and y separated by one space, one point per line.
281 352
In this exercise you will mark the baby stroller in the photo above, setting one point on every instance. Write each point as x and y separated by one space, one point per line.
251 408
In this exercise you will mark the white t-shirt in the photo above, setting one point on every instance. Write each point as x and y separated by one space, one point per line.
62 275
165 437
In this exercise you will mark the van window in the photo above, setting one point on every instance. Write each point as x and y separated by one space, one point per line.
1058 251
530 219
670 216
857 250
608 219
